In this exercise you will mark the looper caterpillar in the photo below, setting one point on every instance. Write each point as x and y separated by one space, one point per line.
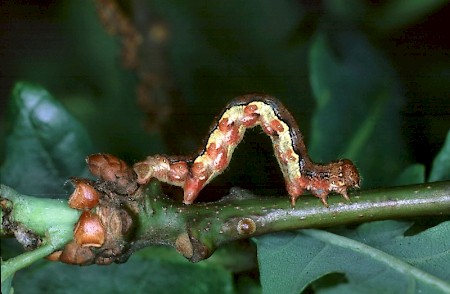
299 171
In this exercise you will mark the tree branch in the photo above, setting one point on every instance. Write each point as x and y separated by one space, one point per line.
197 230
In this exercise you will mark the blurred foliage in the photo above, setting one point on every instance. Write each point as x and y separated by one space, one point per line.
441 164
138 275
45 145
365 79
358 102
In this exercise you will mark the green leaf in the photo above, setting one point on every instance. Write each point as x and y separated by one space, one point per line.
413 174
45 146
441 164
135 276
358 107
375 256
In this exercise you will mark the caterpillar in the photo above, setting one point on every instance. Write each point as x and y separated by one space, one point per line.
299 171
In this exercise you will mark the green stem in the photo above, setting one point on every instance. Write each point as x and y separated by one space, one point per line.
52 220
209 225
39 214
14 264
55 239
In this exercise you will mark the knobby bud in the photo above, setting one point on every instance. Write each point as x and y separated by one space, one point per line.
76 254
114 170
89 230
85 196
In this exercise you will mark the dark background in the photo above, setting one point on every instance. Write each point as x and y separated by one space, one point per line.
215 53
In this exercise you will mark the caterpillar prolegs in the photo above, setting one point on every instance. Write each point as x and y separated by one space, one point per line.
299 171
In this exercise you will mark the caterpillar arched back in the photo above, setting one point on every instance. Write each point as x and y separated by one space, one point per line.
299 171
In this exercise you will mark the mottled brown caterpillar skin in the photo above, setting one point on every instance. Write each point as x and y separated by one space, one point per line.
299 171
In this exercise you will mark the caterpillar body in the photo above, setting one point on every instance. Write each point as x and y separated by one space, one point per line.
299 171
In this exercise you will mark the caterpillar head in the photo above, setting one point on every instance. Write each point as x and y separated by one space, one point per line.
346 174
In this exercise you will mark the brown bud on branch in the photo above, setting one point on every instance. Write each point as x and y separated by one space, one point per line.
85 195
113 170
89 230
